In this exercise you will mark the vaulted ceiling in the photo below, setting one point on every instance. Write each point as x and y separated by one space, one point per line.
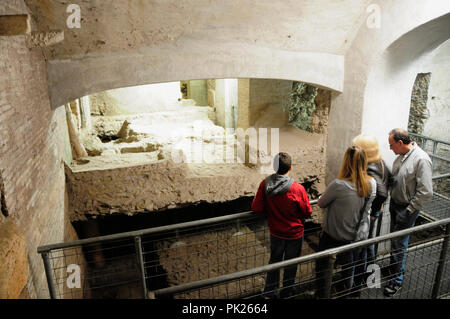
326 26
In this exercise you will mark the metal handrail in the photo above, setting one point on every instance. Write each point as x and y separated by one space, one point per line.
294 261
440 176
147 231
439 157
429 138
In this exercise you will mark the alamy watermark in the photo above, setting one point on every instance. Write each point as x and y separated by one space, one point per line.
374 19
374 279
251 146
74 277
74 19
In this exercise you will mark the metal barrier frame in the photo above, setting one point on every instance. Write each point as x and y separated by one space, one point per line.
423 144
137 235
330 254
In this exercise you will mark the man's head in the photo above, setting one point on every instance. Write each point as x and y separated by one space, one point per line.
282 163
399 141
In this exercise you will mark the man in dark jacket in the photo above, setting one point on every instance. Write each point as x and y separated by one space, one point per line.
287 206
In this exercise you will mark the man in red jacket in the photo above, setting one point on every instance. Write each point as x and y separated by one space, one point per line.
287 206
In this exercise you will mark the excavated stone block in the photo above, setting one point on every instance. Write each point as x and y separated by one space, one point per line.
44 39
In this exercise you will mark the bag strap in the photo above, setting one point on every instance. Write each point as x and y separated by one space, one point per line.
361 213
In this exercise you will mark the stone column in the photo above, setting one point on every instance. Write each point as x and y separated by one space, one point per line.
78 148
85 113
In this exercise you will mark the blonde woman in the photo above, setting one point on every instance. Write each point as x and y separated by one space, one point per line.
377 169
344 199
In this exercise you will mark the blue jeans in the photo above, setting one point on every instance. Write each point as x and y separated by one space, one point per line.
282 249
400 219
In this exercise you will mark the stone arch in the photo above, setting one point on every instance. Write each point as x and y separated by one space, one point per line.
71 79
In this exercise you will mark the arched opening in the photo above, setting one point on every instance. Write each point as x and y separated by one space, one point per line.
129 178
156 147
391 80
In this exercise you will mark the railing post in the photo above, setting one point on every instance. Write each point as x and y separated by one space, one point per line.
435 144
140 260
329 276
441 264
424 143
48 274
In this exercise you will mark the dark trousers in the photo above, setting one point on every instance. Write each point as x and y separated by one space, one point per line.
282 249
347 260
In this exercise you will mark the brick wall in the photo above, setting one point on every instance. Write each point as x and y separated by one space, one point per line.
32 139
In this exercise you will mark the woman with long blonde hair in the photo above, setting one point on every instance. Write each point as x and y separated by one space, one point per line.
354 169
347 200
380 172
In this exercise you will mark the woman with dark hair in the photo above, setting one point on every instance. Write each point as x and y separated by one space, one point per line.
345 199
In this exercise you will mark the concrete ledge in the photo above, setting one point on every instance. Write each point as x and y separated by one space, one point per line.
11 25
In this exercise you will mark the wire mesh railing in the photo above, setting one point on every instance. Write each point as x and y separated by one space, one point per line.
127 265
426 274
439 152
142 264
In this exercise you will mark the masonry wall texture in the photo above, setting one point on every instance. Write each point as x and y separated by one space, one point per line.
419 113
31 144
269 102
13 264
319 119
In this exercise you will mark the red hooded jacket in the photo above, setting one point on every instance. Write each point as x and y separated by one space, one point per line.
286 204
